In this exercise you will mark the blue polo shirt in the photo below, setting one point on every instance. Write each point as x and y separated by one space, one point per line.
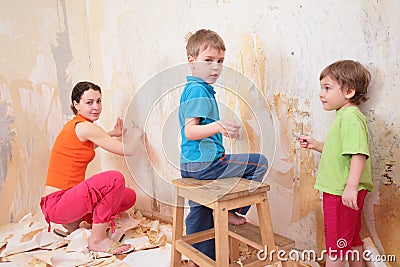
198 101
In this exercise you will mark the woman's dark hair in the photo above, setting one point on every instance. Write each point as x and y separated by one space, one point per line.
78 91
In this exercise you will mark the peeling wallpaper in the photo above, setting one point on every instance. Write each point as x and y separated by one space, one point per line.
280 46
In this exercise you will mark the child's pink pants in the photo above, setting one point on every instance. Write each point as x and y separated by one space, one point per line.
98 199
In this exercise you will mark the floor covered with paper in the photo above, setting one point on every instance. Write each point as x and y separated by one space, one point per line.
28 243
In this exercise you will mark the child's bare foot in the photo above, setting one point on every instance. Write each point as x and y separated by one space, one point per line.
235 219
108 246
192 264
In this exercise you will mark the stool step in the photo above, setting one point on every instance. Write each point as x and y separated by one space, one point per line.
193 253
250 232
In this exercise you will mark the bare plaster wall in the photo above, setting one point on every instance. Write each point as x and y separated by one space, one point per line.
49 45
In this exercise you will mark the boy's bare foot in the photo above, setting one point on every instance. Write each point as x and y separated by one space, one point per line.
235 219
192 264
108 246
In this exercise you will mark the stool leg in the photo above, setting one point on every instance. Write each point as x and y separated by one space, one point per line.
177 229
221 235
234 252
264 220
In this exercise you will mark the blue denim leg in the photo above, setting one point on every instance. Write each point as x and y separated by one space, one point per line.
248 166
200 218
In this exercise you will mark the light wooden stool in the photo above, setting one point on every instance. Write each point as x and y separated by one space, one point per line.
222 195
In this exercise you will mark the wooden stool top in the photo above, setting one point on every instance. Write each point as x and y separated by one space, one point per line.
220 189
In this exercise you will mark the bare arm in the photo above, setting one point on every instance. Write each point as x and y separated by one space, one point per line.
357 165
92 132
195 131
117 131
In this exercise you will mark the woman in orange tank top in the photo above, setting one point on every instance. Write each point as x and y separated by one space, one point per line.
68 197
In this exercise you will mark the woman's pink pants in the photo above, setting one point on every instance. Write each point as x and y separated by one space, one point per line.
98 199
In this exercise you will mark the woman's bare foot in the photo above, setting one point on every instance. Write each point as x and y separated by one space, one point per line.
72 226
86 225
108 245
123 214
235 219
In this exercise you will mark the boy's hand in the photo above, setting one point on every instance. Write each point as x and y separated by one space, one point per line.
357 165
229 128
349 197
306 141
310 143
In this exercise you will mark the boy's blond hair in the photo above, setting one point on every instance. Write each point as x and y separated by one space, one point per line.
201 40
350 74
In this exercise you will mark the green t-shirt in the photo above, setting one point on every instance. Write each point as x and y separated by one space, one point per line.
347 136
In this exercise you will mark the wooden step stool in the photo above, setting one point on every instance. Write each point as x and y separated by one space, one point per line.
221 195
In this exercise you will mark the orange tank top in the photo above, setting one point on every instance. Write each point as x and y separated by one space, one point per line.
69 157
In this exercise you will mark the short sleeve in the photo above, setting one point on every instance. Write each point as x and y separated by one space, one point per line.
354 135
197 103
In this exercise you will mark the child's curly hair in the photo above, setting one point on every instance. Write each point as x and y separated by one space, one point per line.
350 74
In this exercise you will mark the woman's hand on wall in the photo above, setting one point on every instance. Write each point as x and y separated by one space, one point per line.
132 137
118 128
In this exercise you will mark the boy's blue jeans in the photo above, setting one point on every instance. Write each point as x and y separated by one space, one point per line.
249 166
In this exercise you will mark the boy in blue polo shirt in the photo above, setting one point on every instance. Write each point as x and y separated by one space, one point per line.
202 152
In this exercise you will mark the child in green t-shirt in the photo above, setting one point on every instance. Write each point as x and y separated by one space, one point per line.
344 172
